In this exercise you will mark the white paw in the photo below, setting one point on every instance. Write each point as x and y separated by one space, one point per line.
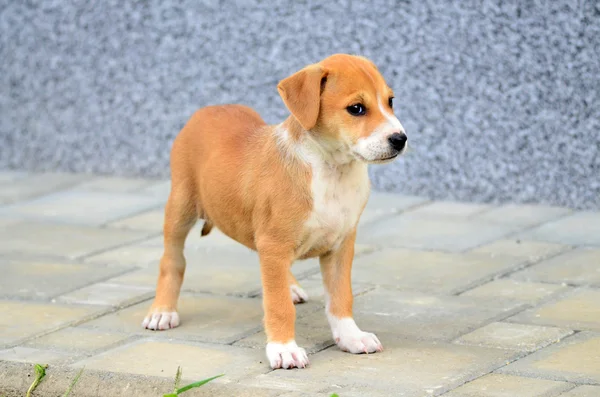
350 338
161 321
286 356
298 294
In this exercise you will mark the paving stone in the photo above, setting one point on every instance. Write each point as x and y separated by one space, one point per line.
407 368
107 294
522 214
519 337
583 391
578 311
579 267
582 228
77 339
531 251
575 359
400 314
30 355
43 280
426 271
300 394
10 176
217 271
57 240
514 290
6 222
449 209
34 185
361 391
422 232
127 256
161 358
207 318
149 252
21 320
81 207
382 204
219 390
113 184
160 189
498 385
149 220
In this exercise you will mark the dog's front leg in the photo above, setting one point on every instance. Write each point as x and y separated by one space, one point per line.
280 314
336 268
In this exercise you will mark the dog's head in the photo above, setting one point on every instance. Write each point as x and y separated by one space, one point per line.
347 106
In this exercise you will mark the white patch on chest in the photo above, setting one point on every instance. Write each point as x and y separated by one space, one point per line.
339 195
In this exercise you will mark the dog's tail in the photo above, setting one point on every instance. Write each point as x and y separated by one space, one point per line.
206 228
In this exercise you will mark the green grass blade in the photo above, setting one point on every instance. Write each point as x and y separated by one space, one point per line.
73 382
177 380
334 395
40 372
197 384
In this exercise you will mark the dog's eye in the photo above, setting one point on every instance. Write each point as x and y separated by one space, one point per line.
358 109
391 102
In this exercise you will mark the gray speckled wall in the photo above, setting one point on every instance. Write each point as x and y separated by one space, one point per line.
501 101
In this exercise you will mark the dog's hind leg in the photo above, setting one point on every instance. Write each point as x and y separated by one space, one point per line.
298 294
180 217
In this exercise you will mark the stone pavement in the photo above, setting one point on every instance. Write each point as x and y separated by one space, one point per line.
468 299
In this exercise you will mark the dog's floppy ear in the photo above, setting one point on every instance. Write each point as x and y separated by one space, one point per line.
301 93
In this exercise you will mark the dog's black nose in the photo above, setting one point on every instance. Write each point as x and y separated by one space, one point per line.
398 140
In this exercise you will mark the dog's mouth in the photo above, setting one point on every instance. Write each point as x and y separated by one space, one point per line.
383 160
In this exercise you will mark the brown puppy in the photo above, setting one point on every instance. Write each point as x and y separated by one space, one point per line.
290 191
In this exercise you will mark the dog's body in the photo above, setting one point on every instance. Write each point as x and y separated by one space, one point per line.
291 191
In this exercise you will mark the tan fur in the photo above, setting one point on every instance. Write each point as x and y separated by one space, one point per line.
238 174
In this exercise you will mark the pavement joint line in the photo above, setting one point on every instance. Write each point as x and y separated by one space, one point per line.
77 322
536 225
254 331
483 211
552 298
146 237
519 355
123 272
572 332
58 188
513 234
505 236
495 319
395 213
20 256
59 327
80 355
483 280
559 294
563 284
106 225
542 375
562 391
524 264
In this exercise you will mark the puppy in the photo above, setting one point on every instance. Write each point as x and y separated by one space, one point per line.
290 191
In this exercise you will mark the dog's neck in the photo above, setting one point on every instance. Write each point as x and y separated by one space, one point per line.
309 146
